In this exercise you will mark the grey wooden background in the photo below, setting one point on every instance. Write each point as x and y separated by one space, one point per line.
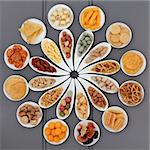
13 136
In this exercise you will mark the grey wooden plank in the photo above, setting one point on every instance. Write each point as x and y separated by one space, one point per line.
13 135
136 135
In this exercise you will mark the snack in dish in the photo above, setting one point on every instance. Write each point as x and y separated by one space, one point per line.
16 56
114 119
87 132
42 82
42 65
60 16
106 84
82 106
51 50
131 93
97 98
106 67
15 87
29 114
92 18
133 63
64 108
84 43
49 98
118 35
56 131
33 31
98 52
66 42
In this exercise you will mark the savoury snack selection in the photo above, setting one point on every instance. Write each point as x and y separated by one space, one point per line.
105 83
42 65
51 50
15 87
66 44
131 93
114 119
97 98
60 17
90 18
82 106
56 132
87 133
132 62
119 35
29 114
17 56
106 67
96 53
42 82
84 43
31 30
65 105
50 97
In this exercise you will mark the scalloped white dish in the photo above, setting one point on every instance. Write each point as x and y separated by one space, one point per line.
11 66
95 68
42 83
41 36
69 60
81 100
7 95
52 96
56 71
135 93
85 48
65 105
102 18
57 10
118 114
123 25
97 53
105 83
29 125
142 68
54 121
51 50
88 85
95 131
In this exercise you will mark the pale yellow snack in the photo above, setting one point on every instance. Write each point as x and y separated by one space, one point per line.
31 30
50 49
118 44
114 38
124 38
124 30
115 29
15 87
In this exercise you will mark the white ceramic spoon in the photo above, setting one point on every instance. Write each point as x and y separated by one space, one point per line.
64 86
77 58
99 84
86 85
49 54
69 61
71 89
79 89
58 81
58 71
102 44
89 68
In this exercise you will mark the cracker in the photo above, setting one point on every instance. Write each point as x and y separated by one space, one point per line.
124 38
115 38
115 29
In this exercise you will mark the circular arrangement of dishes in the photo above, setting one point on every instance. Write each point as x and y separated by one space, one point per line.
91 82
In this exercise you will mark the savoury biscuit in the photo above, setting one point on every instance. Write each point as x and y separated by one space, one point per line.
124 38
115 29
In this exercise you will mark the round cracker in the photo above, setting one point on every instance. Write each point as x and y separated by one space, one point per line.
124 38
115 29
115 38
117 44
124 30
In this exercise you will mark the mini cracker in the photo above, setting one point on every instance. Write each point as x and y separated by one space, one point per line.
124 38
114 38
